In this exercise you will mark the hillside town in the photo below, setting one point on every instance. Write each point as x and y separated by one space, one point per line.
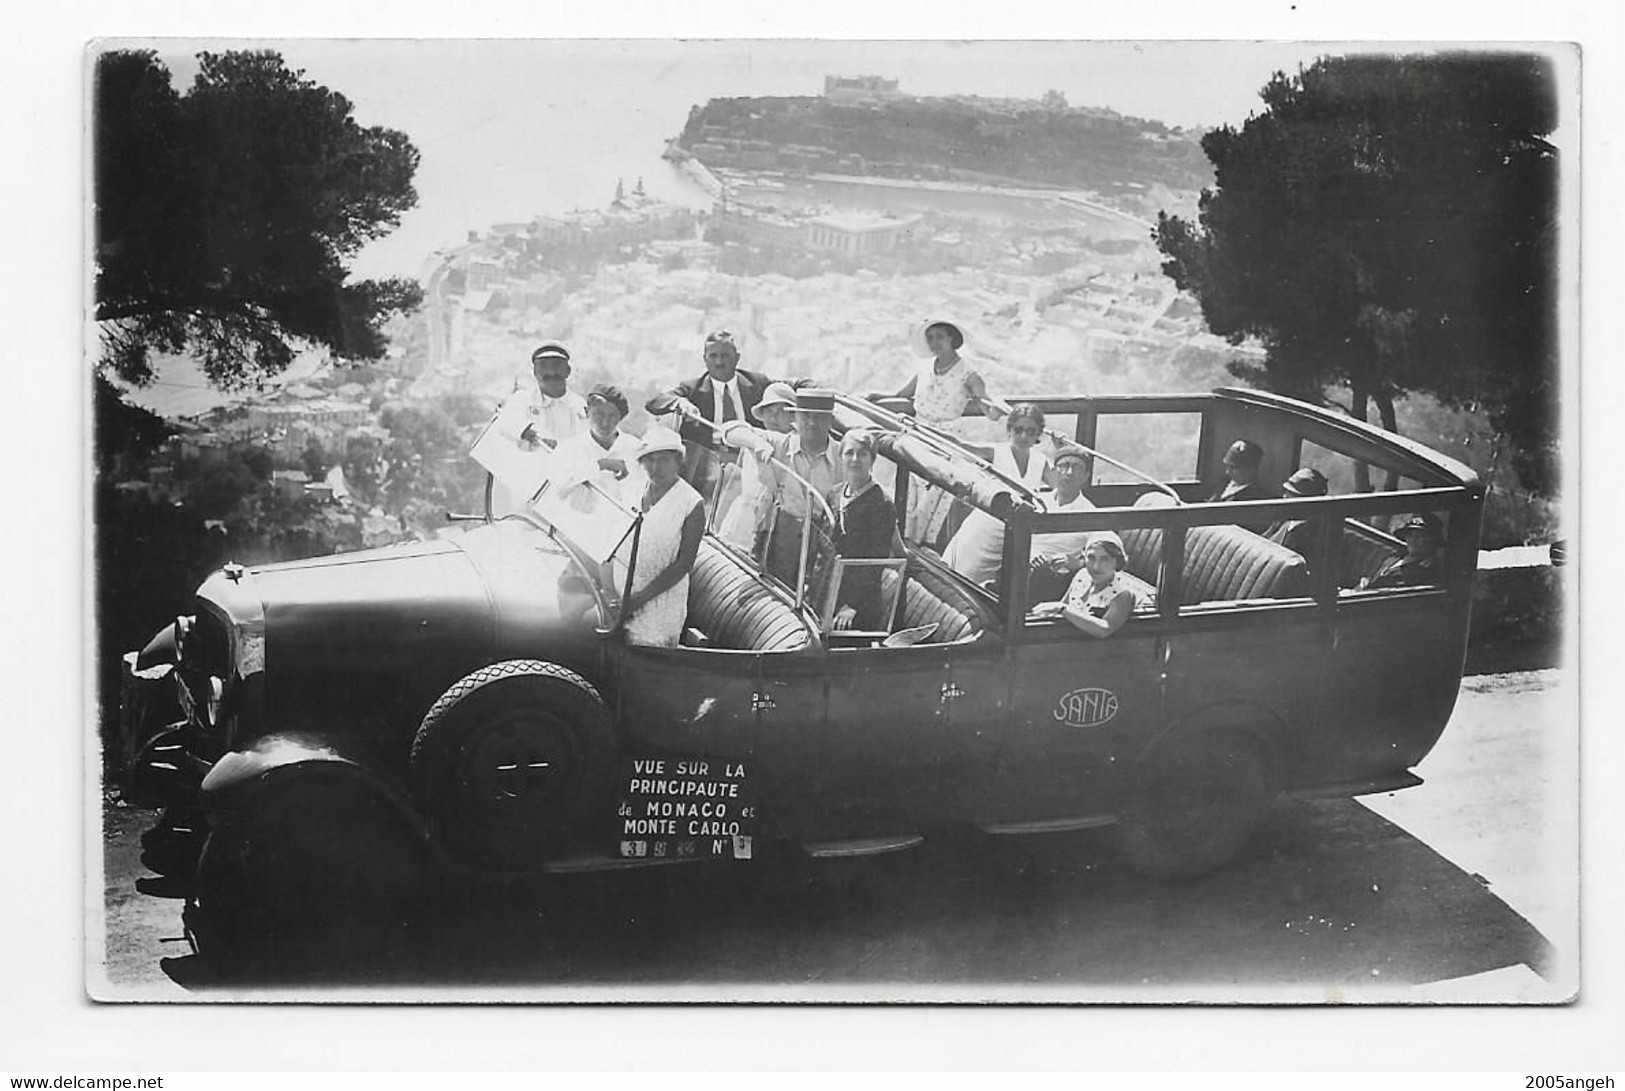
817 276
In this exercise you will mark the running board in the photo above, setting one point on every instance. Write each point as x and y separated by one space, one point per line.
571 865
1052 825
862 846
1357 787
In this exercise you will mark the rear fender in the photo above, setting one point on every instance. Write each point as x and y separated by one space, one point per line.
242 778
1257 721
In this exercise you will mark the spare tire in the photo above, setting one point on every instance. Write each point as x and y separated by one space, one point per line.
1196 800
511 766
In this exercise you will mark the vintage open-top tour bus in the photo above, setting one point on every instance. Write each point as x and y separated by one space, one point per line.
349 733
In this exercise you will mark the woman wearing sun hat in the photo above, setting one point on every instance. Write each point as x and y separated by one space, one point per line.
945 385
669 542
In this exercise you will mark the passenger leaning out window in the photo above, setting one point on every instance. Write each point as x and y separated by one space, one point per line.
1102 595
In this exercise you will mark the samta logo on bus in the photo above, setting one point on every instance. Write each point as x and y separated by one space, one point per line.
1089 707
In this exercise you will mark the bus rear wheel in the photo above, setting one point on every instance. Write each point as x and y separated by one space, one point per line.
1196 801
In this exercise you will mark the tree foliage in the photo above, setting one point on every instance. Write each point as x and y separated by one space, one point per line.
1388 225
225 216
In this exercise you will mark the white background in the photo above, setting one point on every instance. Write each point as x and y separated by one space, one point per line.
48 1027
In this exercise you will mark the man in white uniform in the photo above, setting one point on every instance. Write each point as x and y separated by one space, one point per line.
538 416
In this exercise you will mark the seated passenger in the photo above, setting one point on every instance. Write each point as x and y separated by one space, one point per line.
1055 557
1242 463
745 519
1101 597
669 542
865 526
1298 535
809 452
1019 457
603 453
775 411
1424 538
976 550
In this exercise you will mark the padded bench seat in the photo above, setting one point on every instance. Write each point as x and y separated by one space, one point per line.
734 611
1222 564
1365 550
929 598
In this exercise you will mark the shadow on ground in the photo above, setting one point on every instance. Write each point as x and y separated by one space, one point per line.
1327 895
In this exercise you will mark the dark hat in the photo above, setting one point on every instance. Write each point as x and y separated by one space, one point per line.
1308 481
1244 453
720 337
1426 521
810 400
552 350
609 395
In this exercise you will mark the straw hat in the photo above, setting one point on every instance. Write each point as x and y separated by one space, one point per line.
809 400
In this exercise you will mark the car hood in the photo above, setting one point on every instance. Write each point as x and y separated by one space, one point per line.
382 632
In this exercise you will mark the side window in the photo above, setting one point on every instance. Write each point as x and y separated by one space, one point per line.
1164 445
1342 471
1057 572
1339 469
1411 555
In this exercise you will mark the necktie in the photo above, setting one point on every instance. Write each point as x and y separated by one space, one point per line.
728 410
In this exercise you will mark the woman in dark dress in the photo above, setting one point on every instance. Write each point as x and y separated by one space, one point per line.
865 526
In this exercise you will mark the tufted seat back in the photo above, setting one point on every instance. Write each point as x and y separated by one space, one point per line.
1221 562
728 604
930 598
1144 547
1226 562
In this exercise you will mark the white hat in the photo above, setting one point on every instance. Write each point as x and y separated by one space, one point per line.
917 336
659 438
775 394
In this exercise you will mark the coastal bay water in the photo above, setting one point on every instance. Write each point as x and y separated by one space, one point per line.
512 129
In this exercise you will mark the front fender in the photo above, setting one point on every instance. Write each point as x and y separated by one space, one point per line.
241 777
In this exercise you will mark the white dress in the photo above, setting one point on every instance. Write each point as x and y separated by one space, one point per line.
659 622
576 460
940 401
1082 596
1004 460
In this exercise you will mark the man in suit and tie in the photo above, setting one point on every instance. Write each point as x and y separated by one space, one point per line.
726 392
